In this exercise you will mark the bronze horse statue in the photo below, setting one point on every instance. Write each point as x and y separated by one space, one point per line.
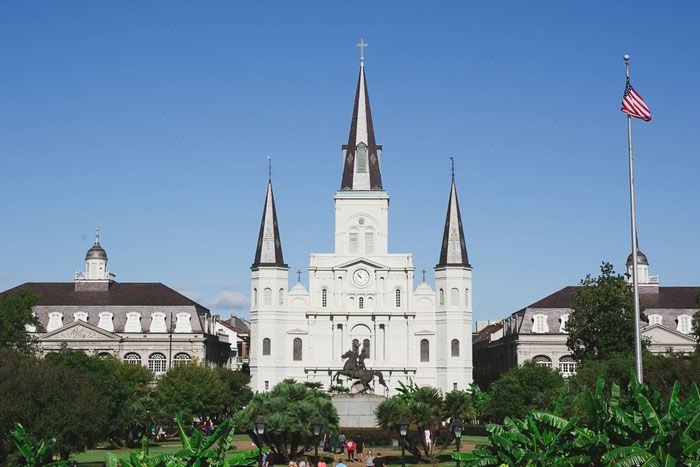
354 368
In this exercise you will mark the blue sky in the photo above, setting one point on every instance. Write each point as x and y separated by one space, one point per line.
153 119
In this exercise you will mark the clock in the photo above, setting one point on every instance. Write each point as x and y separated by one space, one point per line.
360 277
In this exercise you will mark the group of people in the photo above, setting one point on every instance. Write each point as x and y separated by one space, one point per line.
340 443
369 459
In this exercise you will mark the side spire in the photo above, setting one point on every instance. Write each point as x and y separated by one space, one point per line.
454 248
269 250
361 163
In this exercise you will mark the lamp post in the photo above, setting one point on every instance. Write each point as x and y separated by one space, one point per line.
457 429
316 425
260 424
403 429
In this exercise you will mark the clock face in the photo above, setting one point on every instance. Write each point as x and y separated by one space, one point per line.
360 277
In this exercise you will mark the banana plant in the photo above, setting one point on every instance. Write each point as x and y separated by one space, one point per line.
197 450
34 455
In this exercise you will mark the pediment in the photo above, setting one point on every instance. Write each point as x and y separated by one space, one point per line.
361 260
79 331
297 331
663 335
424 332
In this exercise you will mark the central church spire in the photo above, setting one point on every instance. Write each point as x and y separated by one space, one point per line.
361 156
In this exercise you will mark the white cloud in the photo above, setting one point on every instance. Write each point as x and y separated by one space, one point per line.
225 285
230 299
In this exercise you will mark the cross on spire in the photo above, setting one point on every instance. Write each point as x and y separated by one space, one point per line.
423 271
299 275
362 46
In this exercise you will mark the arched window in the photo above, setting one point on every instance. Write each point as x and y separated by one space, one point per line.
454 297
398 298
266 346
441 297
297 349
455 347
424 350
281 296
132 358
353 242
324 298
567 366
182 359
365 347
104 355
543 360
539 324
361 302
267 296
255 297
356 345
684 324
655 319
157 363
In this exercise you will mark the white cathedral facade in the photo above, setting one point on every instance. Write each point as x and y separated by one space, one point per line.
362 296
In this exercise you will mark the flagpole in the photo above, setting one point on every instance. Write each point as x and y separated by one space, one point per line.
635 283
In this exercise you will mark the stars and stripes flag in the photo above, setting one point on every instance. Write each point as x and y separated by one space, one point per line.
633 104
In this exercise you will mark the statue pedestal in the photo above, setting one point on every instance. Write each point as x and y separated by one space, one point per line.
357 410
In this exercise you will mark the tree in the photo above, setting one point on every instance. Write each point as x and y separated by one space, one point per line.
192 390
288 409
238 392
125 388
15 316
602 319
522 389
50 401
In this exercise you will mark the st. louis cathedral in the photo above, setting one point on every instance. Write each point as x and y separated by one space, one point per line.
361 299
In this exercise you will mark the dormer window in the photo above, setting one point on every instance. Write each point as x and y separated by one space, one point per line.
183 323
55 321
539 324
106 321
684 324
80 316
655 319
158 322
133 322
562 323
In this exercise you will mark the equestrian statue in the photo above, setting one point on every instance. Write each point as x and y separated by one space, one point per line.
354 368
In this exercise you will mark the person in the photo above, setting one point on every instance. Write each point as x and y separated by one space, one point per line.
341 444
303 462
427 439
321 463
326 442
208 427
369 458
340 463
359 447
333 443
350 444
379 460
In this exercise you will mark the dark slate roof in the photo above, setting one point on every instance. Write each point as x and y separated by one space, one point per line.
453 252
118 294
667 297
375 176
269 249
240 323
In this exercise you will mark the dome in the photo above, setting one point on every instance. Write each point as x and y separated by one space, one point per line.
641 259
96 252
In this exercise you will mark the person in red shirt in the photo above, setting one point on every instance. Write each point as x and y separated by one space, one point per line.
351 450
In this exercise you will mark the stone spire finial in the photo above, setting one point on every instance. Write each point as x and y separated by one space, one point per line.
454 248
361 169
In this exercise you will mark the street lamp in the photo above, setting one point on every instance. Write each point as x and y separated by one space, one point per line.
316 425
260 424
403 429
457 429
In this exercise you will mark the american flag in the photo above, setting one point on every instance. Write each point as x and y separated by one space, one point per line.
633 104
